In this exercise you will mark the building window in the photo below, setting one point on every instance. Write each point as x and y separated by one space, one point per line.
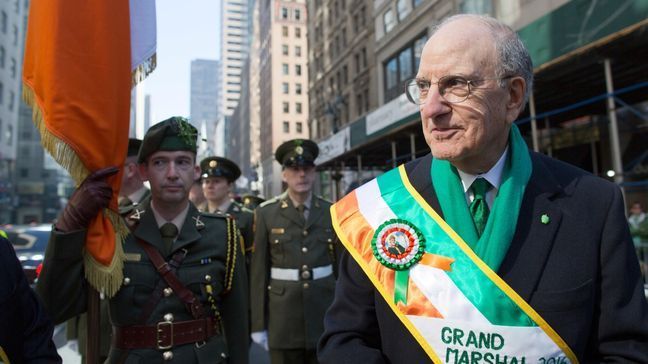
298 32
286 107
359 104
476 7
284 68
297 14
286 127
3 22
402 67
402 9
12 100
284 31
298 88
417 2
298 69
297 51
345 74
9 134
284 88
364 58
284 50
299 127
2 57
298 107
284 13
1 92
388 21
15 35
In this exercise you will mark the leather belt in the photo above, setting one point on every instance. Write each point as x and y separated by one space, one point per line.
287 274
165 334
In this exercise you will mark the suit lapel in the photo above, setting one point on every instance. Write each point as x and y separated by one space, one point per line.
420 176
189 232
533 238
314 213
288 210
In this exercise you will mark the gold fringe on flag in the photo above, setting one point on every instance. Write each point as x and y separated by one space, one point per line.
143 69
108 279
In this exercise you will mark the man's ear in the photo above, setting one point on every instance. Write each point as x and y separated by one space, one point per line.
196 172
143 171
515 104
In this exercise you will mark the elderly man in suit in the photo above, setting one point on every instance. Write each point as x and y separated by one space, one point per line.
513 256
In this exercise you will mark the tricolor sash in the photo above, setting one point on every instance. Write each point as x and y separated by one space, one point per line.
456 307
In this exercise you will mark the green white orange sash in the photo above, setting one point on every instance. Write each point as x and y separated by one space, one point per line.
457 308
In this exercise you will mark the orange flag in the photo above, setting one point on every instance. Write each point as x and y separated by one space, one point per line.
77 77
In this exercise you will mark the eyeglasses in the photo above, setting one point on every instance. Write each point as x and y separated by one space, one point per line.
453 89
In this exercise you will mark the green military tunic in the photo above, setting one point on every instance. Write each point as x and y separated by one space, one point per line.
292 311
76 327
210 245
244 221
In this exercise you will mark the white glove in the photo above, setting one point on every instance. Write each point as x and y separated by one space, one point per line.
73 345
260 338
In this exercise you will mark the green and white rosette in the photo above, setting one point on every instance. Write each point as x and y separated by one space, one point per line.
398 245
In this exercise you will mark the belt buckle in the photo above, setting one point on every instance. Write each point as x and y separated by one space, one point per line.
306 275
160 328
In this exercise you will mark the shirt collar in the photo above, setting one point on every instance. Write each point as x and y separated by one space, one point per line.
178 221
225 205
307 203
493 176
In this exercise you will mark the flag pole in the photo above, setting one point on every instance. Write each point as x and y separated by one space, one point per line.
92 329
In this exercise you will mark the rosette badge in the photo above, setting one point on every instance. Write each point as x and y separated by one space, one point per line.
398 244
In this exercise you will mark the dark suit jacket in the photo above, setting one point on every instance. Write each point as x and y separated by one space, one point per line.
25 328
579 272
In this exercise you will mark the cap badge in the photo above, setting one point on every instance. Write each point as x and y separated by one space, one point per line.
213 164
299 150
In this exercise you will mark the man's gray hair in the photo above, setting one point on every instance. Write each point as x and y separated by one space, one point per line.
513 56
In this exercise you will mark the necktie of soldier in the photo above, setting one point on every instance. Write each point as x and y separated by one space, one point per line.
478 207
301 208
169 232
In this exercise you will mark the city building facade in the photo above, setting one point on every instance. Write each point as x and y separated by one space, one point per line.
283 81
205 100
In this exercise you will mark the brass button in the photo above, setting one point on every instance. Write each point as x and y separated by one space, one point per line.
167 355
305 232
168 317
304 267
306 286
269 288
208 278
305 274
167 292
330 240
304 249
126 281
223 355
276 241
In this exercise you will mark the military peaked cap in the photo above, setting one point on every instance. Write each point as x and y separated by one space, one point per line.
297 153
173 134
219 167
133 147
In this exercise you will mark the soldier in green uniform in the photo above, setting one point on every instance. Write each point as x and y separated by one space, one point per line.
131 192
291 274
183 298
218 175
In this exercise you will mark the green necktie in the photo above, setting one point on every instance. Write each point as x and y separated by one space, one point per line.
169 232
301 209
478 207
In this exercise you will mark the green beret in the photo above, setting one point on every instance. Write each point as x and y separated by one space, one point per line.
133 147
219 167
173 134
297 153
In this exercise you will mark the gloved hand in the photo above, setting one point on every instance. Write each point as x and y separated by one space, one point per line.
92 196
260 338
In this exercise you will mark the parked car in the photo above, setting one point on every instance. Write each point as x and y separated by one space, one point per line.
29 242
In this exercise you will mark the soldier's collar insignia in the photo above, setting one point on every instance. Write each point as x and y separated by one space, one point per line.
199 224
398 244
284 204
137 215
